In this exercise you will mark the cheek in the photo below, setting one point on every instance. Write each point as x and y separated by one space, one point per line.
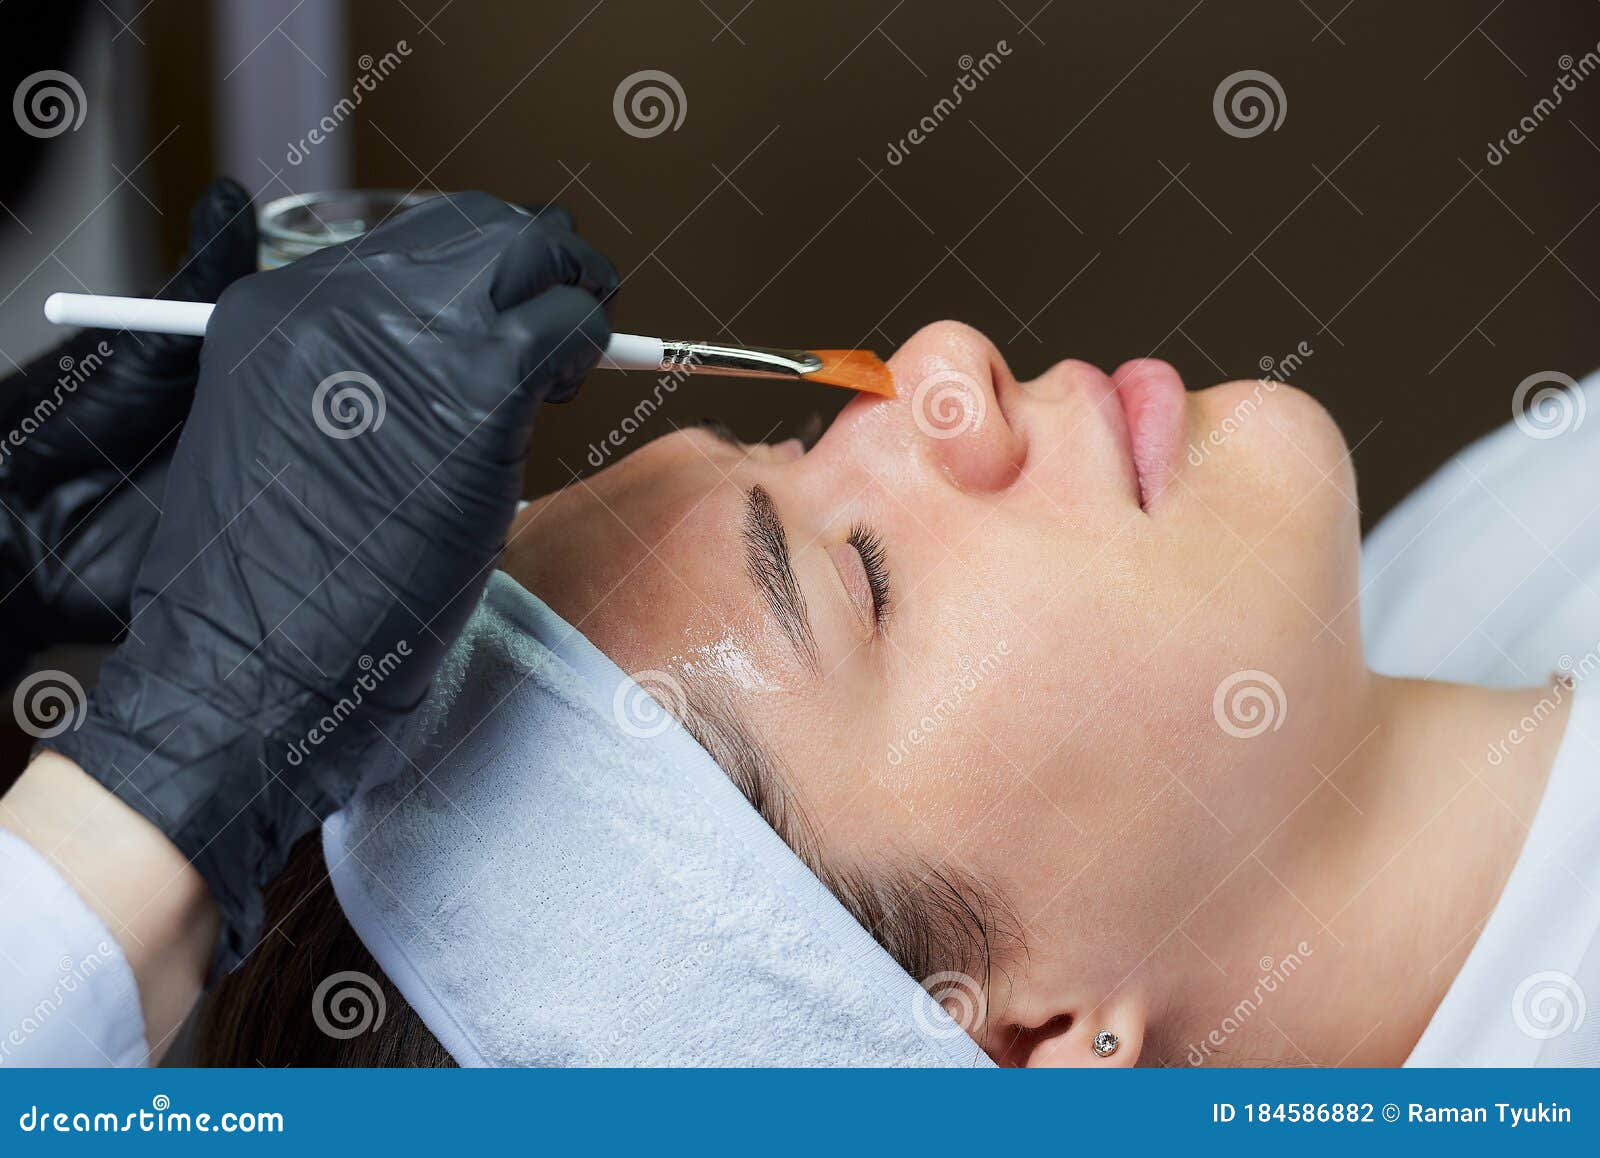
916 767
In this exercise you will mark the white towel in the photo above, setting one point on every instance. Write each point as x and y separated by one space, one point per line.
547 886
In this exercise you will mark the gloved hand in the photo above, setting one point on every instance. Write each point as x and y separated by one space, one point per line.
75 424
338 497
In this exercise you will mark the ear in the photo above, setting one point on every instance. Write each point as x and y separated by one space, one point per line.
1064 1035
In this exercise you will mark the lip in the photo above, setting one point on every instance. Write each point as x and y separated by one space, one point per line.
1153 409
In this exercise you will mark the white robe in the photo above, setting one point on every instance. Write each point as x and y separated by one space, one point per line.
1490 574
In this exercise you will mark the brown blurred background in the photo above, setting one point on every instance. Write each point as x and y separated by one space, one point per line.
1081 201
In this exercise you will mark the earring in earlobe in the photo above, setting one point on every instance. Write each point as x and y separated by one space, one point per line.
1106 1043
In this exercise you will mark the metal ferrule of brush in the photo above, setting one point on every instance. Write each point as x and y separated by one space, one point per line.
738 361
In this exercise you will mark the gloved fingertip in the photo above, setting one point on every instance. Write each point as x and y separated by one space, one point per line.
600 276
222 243
562 333
216 210
480 209
227 194
581 354
608 283
542 256
573 365
560 315
551 213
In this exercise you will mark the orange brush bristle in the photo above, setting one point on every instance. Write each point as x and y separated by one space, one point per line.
854 370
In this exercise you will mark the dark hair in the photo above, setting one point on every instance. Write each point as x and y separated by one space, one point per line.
931 920
261 1013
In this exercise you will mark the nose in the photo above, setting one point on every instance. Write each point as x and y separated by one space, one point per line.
947 417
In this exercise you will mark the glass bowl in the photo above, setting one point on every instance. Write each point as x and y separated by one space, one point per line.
291 227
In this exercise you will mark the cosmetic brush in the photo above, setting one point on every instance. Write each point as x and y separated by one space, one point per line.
860 370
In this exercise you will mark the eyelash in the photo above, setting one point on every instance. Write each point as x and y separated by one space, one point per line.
875 563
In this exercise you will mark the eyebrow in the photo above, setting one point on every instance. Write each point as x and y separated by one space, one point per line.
718 429
766 560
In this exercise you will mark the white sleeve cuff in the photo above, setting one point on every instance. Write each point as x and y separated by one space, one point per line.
67 994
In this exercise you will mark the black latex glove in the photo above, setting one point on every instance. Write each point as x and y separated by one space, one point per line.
326 536
75 424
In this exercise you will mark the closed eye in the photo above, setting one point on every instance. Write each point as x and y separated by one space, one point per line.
874 561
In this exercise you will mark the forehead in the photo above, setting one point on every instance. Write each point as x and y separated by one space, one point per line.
643 555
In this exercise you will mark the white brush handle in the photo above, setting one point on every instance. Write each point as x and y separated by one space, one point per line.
109 313
632 352
101 311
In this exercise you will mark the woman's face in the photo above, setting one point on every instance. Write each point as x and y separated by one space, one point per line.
992 630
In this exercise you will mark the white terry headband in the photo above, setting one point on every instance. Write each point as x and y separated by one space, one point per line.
552 877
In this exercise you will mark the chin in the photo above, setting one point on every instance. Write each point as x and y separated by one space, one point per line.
1270 430
1269 461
